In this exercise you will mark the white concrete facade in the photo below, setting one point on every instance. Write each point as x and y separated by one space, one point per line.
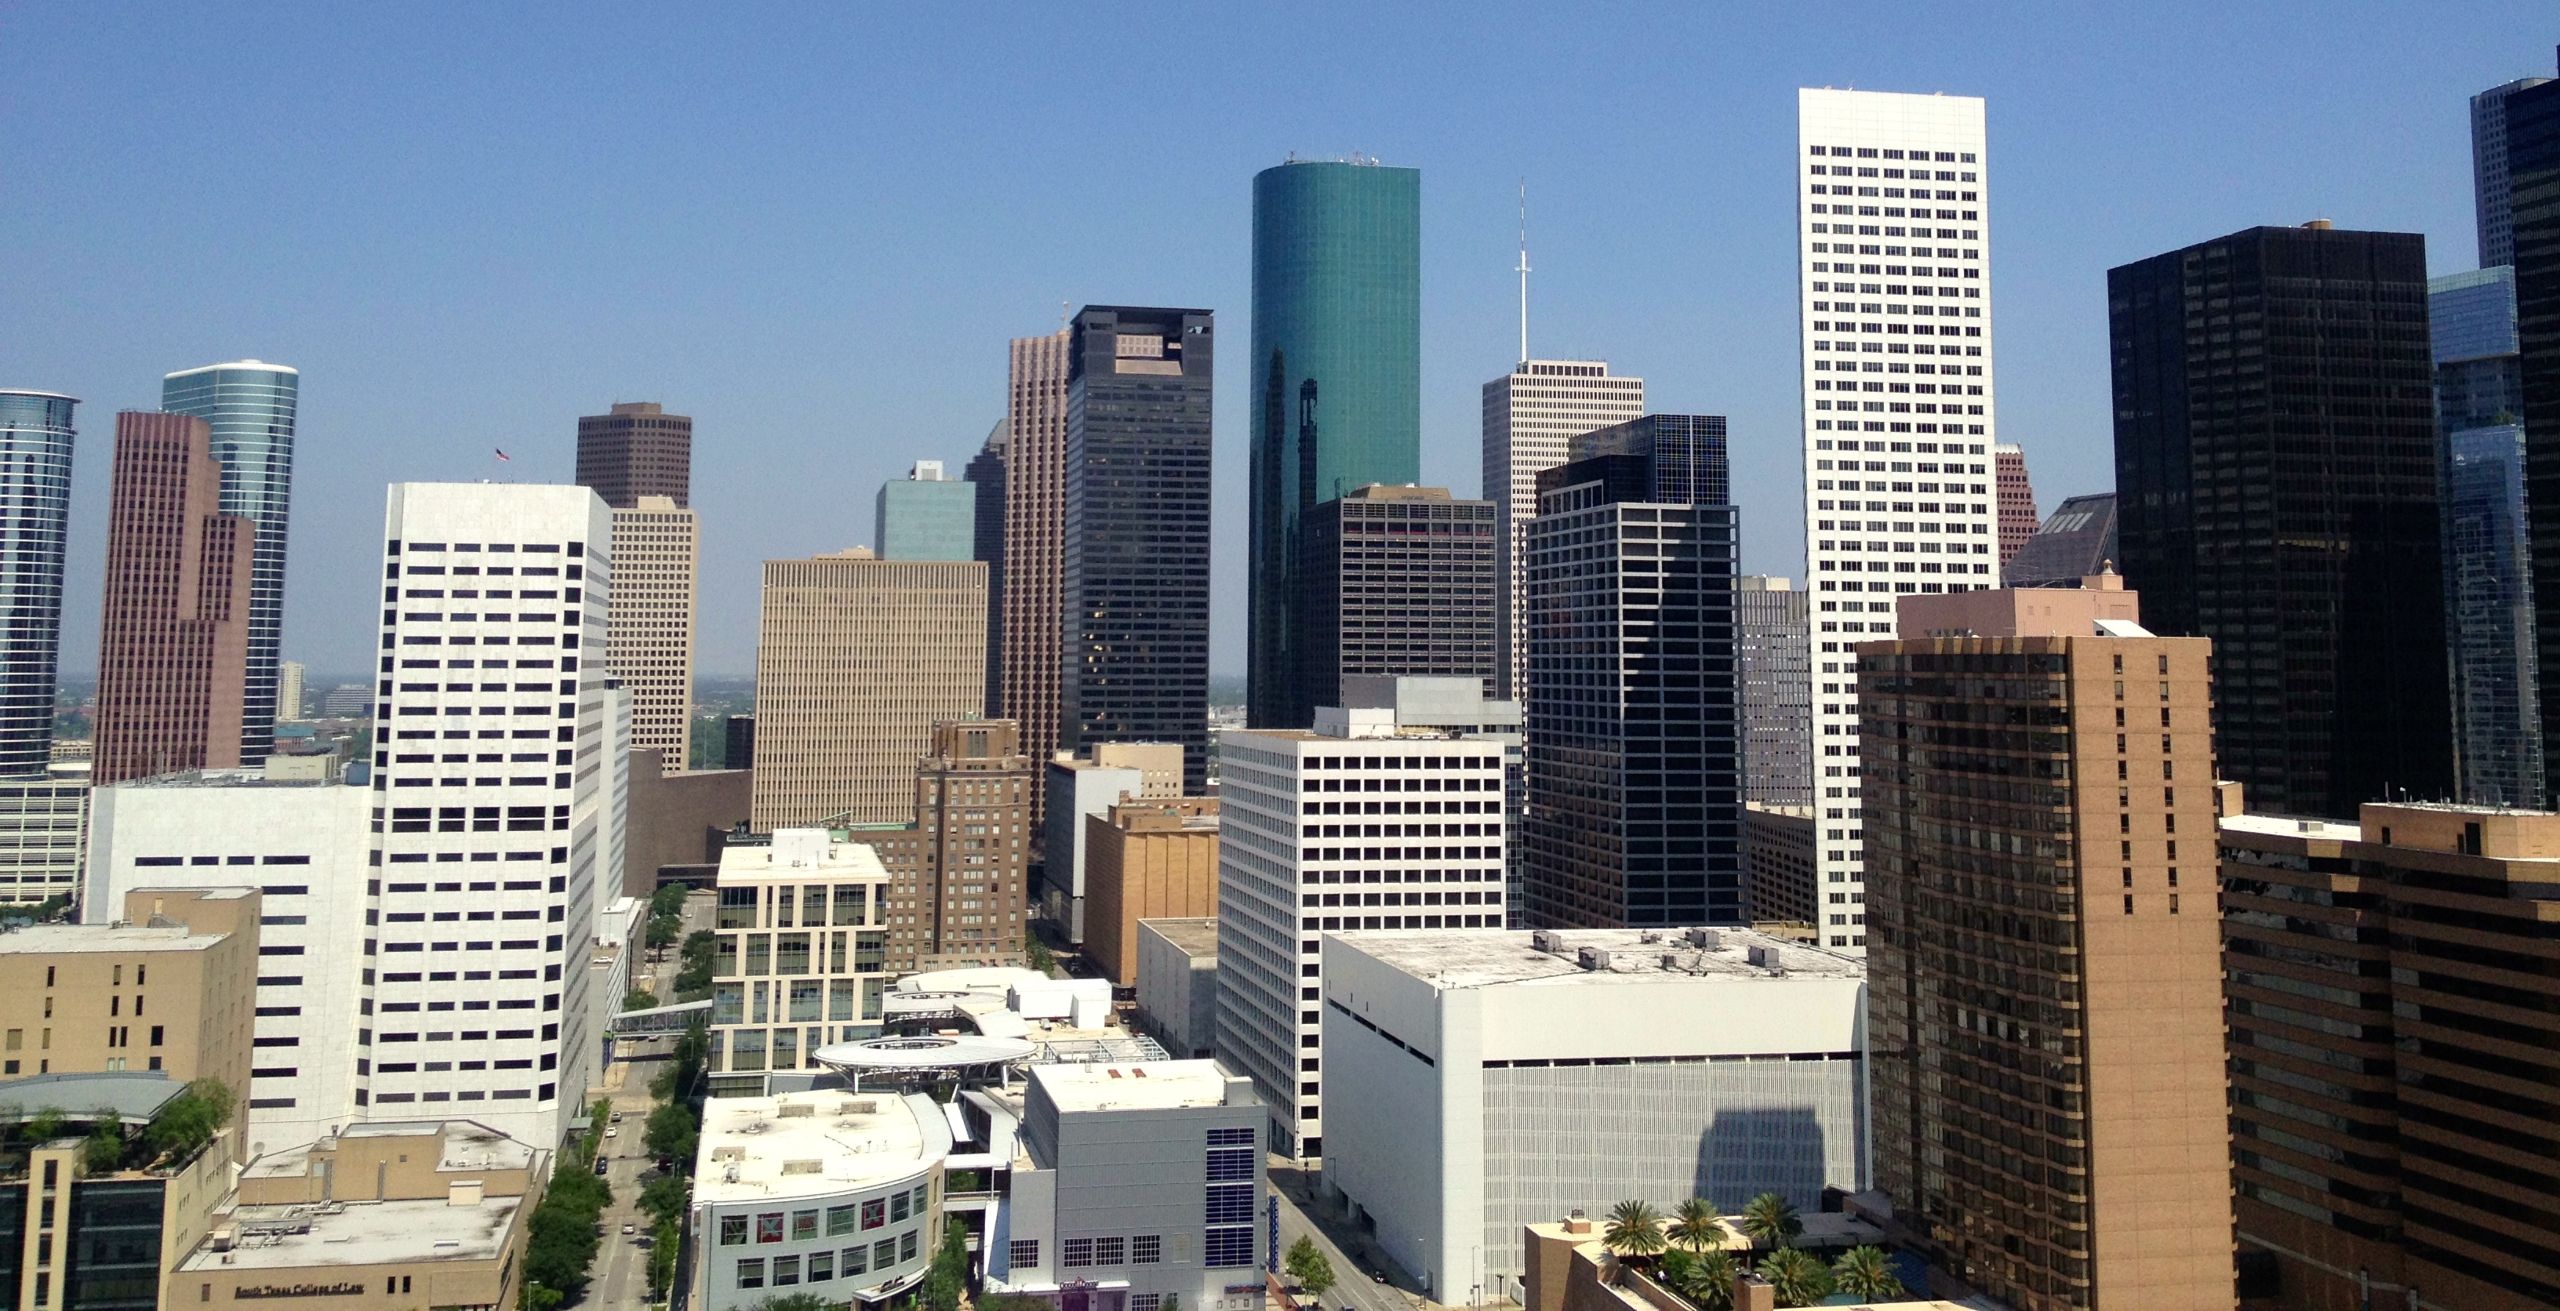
803 933
1355 825
1178 984
496 778
1895 288
1478 1082
835 1194
303 846
1531 415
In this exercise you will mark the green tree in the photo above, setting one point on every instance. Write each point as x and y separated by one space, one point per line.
1696 1225
1307 1266
189 1120
668 900
538 1298
673 1131
1863 1272
693 980
1172 1302
948 1276
796 1302
45 1125
1770 1220
1014 1302
1635 1229
1798 1277
1037 953
663 1197
639 999
1705 1278
662 1258
104 1151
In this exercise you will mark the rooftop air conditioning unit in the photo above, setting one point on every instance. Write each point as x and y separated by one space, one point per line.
1593 958
1546 941
1705 939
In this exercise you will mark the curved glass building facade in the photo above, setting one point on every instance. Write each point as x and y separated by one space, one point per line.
35 516
1336 377
249 404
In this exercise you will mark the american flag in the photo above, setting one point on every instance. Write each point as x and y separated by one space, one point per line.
502 455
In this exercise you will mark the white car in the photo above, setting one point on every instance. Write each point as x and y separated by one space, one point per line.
613 1133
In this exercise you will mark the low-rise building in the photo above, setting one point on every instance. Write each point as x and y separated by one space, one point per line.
169 988
836 1194
1146 860
801 957
392 1216
96 1211
1479 1080
1078 787
1178 984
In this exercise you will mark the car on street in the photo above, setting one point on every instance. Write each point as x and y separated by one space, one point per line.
630 1228
613 1133
601 1163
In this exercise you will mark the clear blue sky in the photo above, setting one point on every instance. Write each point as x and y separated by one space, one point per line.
813 228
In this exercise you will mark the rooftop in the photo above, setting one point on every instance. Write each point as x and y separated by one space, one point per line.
801 1144
229 778
255 366
467 1145
337 1234
68 939
1150 1085
1199 937
796 855
2290 826
134 1095
1478 958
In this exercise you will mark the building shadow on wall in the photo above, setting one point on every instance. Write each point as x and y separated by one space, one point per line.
1745 1153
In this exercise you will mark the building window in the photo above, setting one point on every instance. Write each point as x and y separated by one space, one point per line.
898 1204
804 1225
1023 1253
1146 1249
1078 1253
1110 1251
733 1230
769 1227
1231 1138
884 1254
1230 1204
786 1270
1230 1165
751 1272
822 1267
839 1221
1145 1301
857 1259
875 1213
907 1246
1229 1247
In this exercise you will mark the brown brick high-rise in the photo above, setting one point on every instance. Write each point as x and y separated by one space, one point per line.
636 450
173 654
957 873
1035 499
2044 964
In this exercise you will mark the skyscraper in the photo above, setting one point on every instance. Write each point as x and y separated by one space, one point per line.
289 676
636 449
1634 733
649 644
173 657
1530 416
1337 382
2533 161
957 892
986 482
2488 566
1399 580
2045 986
857 661
1134 531
1035 494
2078 539
2491 177
1895 252
1771 646
250 406
926 516
35 518
2017 498
2276 474
484 732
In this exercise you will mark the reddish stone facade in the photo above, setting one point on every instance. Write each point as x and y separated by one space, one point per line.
173 656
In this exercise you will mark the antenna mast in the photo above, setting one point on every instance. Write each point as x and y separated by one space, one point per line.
1524 270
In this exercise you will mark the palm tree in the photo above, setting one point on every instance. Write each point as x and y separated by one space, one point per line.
1635 1229
1799 1278
1863 1272
1770 1220
1709 1279
1696 1226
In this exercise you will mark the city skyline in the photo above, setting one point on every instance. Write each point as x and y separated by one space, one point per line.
394 298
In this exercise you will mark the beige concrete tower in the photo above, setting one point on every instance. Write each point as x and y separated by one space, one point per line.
858 659
1035 491
649 625
1530 415
2044 966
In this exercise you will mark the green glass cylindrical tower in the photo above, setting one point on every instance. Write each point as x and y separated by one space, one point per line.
1336 381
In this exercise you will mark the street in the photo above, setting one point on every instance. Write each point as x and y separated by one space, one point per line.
620 1280
1353 1253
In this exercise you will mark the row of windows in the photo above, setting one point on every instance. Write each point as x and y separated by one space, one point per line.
820 1267
803 1225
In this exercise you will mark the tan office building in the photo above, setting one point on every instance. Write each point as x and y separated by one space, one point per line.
1035 508
399 1216
1146 860
172 987
957 870
2394 990
858 659
2045 964
649 623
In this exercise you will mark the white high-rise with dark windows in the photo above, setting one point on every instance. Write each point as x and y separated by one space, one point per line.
496 781
1531 415
1894 251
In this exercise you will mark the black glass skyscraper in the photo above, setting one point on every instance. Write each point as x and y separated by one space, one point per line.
2533 164
1633 707
2276 473
1337 379
1135 564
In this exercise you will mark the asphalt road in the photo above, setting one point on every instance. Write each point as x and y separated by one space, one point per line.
1353 1289
620 1280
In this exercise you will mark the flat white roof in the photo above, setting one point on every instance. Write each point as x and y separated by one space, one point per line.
1143 1086
1478 958
1194 936
63 939
253 366
2291 826
813 1143
359 1234
801 856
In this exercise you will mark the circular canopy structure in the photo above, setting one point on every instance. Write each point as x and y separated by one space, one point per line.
921 1054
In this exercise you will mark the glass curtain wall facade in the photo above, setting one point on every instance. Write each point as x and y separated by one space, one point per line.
2488 569
35 517
1337 379
250 406
2533 163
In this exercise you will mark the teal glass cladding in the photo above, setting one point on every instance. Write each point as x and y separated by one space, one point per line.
35 517
1336 399
250 408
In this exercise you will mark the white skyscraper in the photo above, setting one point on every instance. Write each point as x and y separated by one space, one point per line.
650 632
495 796
1530 414
1358 824
1895 257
